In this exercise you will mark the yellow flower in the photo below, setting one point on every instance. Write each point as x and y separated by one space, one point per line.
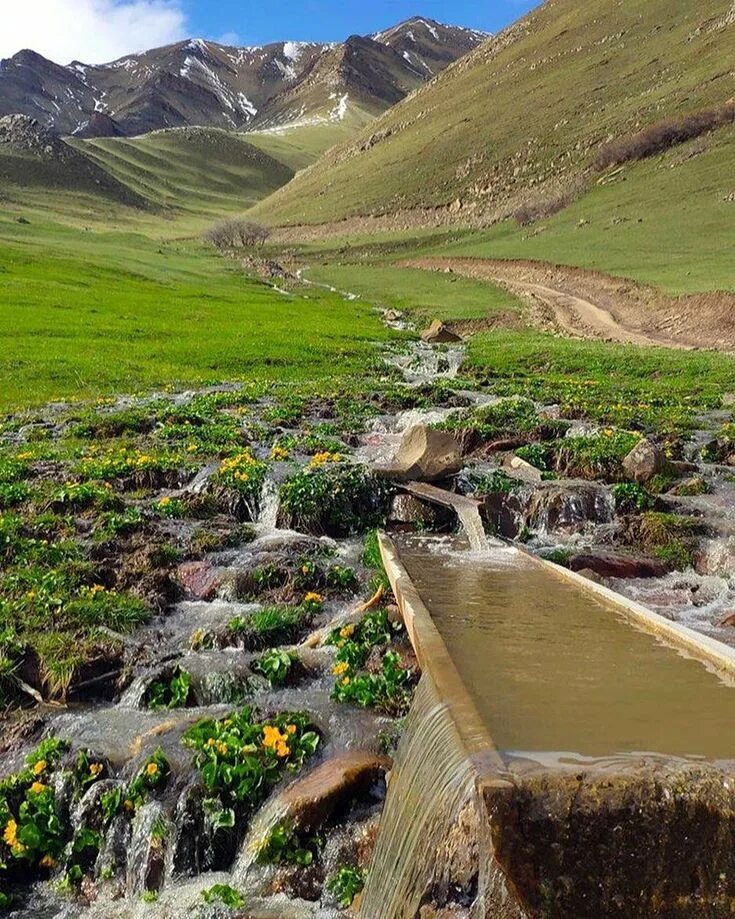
347 632
222 749
192 448
95 769
272 737
279 453
38 788
48 861
10 834
290 728
151 769
282 749
313 598
40 767
340 668
346 681
211 742
128 805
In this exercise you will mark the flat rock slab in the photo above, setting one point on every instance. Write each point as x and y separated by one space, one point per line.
310 801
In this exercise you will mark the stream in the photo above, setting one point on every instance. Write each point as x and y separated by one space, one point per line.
124 733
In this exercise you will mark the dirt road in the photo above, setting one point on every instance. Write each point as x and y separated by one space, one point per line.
589 304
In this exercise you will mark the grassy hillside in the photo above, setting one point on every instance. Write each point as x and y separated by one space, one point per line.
198 170
91 313
527 110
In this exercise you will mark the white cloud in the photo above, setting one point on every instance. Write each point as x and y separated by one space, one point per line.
229 38
92 31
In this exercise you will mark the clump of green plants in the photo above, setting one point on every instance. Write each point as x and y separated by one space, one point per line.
630 496
600 456
271 625
240 758
36 837
539 455
333 497
507 418
130 466
275 665
670 537
243 475
391 688
346 883
373 561
224 894
172 692
493 483
285 845
101 425
150 777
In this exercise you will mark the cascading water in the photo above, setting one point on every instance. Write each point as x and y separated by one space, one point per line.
432 784
267 521
471 522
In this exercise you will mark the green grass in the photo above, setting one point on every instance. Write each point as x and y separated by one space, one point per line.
198 170
536 109
622 385
93 313
664 222
423 294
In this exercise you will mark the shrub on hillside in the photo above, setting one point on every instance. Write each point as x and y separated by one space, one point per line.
236 233
663 135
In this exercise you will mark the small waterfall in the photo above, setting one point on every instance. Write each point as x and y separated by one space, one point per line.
431 789
469 518
267 522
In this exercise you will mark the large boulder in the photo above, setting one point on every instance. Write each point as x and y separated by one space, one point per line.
644 461
439 333
424 455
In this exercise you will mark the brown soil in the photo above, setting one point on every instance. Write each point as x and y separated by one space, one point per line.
590 304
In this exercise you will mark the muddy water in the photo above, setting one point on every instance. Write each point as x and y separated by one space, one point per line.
557 674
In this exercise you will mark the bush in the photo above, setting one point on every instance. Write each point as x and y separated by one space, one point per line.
663 135
237 233
335 498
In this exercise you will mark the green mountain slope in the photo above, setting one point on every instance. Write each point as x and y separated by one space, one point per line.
528 110
198 170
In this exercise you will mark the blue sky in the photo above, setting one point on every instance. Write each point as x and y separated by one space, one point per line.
97 31
333 20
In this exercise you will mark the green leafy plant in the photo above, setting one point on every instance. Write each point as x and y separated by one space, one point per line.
242 759
174 692
346 883
336 498
223 893
285 845
630 496
275 665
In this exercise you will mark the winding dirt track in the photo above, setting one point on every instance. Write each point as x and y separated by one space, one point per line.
589 304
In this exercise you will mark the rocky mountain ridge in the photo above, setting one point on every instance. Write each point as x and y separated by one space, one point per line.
205 83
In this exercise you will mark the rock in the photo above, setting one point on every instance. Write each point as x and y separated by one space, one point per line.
728 399
407 509
518 468
591 575
695 485
644 461
682 467
727 620
730 461
439 333
310 801
568 505
611 565
424 455
199 580
392 315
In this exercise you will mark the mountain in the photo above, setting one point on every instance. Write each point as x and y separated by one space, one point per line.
525 115
204 83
